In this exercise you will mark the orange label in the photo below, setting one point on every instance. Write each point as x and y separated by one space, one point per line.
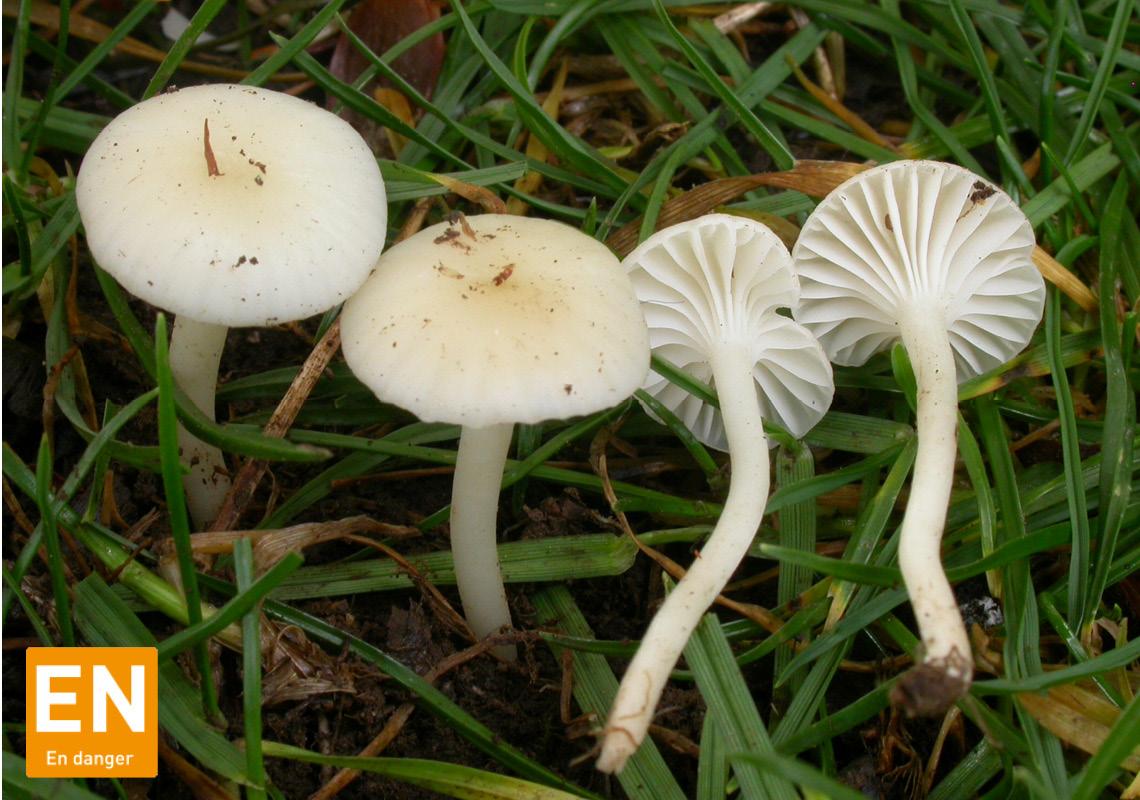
92 712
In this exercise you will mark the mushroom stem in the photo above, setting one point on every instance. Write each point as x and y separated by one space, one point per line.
195 352
474 515
946 669
669 631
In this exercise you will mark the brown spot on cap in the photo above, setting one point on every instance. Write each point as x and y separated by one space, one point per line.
504 274
980 191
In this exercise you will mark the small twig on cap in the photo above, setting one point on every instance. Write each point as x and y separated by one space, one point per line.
211 162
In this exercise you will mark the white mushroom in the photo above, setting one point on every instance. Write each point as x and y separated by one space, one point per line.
229 205
710 290
484 322
934 256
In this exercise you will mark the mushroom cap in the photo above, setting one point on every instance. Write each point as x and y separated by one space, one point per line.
919 237
494 319
290 227
718 280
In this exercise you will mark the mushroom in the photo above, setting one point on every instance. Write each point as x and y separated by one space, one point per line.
486 321
931 255
229 205
710 290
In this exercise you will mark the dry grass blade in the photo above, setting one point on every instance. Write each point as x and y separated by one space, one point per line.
822 65
757 614
761 616
436 601
814 178
1077 716
952 722
481 196
198 782
397 103
46 16
826 98
735 17
301 670
535 149
1063 279
270 546
251 472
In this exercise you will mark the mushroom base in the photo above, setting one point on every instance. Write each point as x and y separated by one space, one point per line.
930 689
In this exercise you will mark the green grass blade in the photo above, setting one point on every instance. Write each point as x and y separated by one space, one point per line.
712 769
14 83
430 698
734 710
907 77
1120 409
1022 648
1114 659
557 140
526 561
131 20
807 777
239 605
107 622
232 438
1103 767
968 777
1108 59
987 512
179 50
51 543
1057 195
1080 556
452 780
295 46
763 135
17 782
645 776
176 509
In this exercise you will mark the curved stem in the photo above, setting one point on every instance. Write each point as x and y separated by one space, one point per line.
669 631
946 646
195 352
474 516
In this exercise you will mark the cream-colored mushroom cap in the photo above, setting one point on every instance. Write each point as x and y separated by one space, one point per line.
233 205
926 238
718 279
495 318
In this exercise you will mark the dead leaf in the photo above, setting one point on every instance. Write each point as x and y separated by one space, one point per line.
1079 717
380 24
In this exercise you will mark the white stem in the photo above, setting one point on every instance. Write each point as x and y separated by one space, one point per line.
669 631
195 352
474 516
946 646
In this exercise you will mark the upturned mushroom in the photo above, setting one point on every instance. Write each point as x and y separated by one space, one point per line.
934 256
483 322
711 289
229 205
